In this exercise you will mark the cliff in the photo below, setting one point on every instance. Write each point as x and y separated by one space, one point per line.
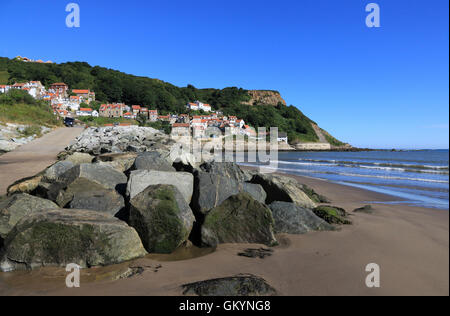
264 97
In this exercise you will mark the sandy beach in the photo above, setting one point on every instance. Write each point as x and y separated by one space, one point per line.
410 244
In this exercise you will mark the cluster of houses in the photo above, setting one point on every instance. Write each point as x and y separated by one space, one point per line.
64 102
67 103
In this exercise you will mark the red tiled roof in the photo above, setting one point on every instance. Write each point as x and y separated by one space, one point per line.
80 91
180 125
86 110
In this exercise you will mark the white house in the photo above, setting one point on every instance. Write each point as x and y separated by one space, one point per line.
4 88
85 112
197 105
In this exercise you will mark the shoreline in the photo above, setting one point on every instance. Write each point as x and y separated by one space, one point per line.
410 243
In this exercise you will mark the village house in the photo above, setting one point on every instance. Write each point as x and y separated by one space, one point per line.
111 110
85 96
197 105
128 115
4 88
84 112
59 88
135 110
153 115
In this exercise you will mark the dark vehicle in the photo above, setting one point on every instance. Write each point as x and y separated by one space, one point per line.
68 121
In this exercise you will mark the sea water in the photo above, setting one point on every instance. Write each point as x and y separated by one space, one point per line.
416 177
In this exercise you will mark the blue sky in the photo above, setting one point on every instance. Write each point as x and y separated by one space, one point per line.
373 87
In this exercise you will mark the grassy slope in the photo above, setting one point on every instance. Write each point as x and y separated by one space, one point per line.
28 114
4 76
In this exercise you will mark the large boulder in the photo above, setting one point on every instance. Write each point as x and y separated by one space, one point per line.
59 237
239 219
52 173
212 189
285 189
293 219
162 218
141 179
18 206
105 176
94 180
152 161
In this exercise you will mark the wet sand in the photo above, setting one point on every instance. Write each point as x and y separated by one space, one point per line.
410 244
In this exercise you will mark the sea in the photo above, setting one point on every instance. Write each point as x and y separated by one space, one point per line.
416 177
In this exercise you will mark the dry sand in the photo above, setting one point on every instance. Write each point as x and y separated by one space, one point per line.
32 158
410 244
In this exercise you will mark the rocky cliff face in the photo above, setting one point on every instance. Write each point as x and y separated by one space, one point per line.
264 97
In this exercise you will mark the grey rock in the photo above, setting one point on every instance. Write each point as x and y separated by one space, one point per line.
293 219
225 169
285 189
18 206
239 219
162 217
103 175
152 161
79 158
61 236
105 201
52 173
240 285
212 189
141 179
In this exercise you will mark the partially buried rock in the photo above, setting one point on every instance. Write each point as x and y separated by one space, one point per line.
162 217
239 219
332 214
293 219
256 253
368 209
18 206
240 285
59 237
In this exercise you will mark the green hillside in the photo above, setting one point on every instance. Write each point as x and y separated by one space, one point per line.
114 86
4 76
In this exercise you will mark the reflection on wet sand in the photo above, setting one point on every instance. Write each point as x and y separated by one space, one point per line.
51 278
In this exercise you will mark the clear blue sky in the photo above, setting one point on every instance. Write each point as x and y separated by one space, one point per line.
385 87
